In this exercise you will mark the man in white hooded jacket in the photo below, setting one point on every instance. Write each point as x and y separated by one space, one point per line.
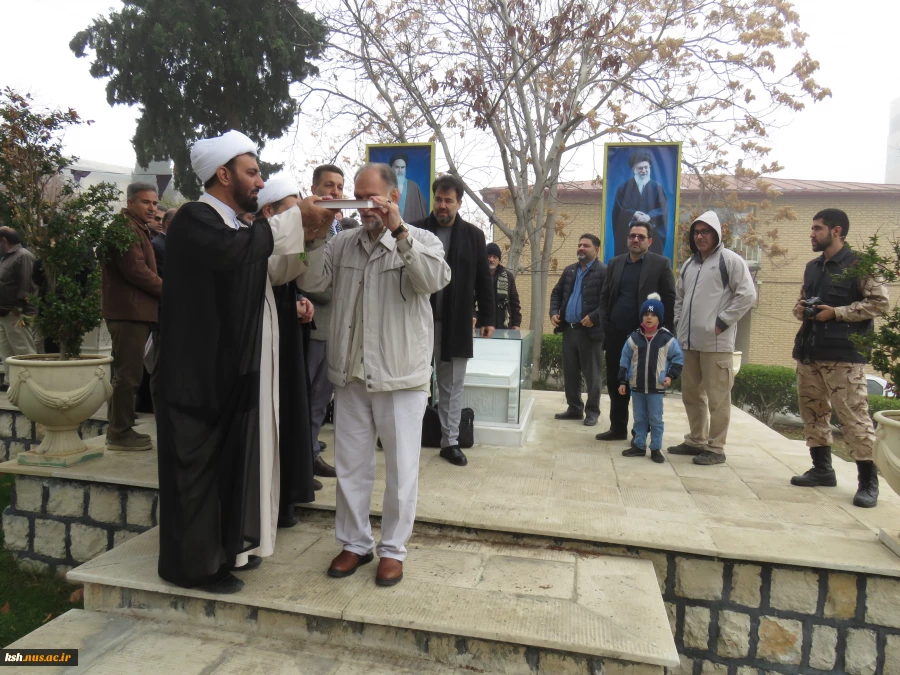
714 291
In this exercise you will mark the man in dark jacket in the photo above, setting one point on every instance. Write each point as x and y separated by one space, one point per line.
131 293
470 282
575 311
630 279
507 309
830 365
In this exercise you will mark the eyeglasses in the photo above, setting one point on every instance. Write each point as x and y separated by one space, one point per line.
637 237
703 233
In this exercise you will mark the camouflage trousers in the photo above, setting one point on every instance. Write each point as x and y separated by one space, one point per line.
823 384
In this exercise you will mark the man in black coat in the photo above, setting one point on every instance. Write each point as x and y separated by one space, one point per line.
470 282
575 311
507 308
630 278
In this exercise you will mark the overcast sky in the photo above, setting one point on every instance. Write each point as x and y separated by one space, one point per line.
842 138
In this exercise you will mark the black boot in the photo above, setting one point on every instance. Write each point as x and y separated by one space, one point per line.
821 474
867 495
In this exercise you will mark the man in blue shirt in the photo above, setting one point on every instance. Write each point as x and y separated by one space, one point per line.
575 311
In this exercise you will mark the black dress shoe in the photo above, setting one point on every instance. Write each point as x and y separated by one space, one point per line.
570 414
590 419
253 562
317 485
225 586
454 455
611 436
287 517
323 469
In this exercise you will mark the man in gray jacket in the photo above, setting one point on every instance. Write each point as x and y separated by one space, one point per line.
379 359
714 291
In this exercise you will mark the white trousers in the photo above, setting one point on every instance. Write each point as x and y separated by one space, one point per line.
396 418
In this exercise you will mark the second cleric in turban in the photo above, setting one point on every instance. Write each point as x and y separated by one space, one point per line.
642 200
217 414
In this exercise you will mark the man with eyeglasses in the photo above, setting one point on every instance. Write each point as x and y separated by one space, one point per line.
714 291
630 278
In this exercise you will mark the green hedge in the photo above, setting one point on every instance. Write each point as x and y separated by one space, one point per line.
766 391
879 403
551 361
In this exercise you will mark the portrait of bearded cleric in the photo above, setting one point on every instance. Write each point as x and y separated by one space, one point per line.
643 200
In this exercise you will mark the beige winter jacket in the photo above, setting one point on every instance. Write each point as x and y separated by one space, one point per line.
397 282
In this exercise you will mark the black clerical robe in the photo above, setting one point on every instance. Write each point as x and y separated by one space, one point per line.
651 201
208 409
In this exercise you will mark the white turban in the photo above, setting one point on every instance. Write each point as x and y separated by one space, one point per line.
208 154
277 189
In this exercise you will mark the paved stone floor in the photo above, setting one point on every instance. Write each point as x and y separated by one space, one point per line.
564 483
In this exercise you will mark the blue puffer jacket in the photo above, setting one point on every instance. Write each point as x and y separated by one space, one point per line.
645 364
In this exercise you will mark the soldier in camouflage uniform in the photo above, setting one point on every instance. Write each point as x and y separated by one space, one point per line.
830 368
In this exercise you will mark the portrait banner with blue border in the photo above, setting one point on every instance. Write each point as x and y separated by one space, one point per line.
641 183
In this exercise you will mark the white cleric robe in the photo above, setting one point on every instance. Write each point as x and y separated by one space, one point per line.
285 264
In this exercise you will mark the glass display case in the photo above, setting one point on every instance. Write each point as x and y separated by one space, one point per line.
498 377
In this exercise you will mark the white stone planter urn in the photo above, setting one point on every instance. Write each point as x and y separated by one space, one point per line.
60 395
887 459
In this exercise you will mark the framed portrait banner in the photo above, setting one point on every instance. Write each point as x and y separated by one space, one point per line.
641 182
414 165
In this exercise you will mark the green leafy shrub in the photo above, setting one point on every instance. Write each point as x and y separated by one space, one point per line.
766 391
879 403
551 361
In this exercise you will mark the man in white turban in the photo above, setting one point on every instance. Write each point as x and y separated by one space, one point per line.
217 417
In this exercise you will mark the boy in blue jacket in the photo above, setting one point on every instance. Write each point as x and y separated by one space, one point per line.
651 359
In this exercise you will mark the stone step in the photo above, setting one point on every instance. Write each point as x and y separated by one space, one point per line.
113 644
483 606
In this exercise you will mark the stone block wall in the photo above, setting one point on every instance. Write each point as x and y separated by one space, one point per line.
18 433
742 618
55 524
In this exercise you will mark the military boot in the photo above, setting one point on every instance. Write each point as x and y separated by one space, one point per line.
867 494
821 474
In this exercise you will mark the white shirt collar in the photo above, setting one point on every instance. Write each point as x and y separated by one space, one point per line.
228 214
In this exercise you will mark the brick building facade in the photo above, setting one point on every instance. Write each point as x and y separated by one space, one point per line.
766 335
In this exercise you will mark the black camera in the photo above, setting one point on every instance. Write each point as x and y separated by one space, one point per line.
809 307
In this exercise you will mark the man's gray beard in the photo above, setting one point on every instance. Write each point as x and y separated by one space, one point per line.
641 182
373 225
442 220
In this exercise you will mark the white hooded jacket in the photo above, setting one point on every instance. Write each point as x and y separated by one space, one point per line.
714 292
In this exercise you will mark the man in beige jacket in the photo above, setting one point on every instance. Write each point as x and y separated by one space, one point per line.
379 360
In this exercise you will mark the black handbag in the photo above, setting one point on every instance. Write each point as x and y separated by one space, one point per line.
431 428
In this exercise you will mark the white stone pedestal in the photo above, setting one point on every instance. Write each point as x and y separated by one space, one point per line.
504 433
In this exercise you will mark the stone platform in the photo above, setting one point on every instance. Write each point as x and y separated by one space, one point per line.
461 603
755 575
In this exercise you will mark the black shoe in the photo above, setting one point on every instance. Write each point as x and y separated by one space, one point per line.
708 458
867 495
317 485
821 474
225 586
657 456
287 517
611 436
454 455
590 419
322 445
570 414
634 451
253 562
683 449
